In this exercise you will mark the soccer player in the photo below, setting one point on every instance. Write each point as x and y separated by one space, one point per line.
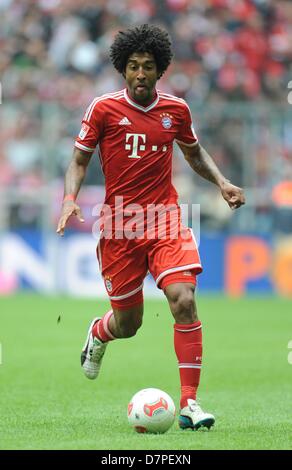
135 129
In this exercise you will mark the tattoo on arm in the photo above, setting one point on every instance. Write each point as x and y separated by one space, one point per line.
203 164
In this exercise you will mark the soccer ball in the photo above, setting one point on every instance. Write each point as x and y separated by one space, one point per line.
151 410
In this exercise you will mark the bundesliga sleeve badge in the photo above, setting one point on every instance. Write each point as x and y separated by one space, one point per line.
83 132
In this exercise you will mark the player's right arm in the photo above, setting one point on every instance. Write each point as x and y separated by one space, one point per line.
73 179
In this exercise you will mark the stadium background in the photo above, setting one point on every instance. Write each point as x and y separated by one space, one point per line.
233 66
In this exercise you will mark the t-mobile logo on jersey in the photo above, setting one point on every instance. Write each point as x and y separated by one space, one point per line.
135 147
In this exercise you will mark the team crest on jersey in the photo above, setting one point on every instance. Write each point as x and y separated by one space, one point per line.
84 129
166 120
108 283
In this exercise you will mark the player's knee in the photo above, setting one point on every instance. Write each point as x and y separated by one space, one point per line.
185 303
182 304
128 331
128 327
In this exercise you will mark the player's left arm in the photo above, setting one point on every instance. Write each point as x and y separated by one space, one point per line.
203 164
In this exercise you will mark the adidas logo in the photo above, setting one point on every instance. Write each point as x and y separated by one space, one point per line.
124 122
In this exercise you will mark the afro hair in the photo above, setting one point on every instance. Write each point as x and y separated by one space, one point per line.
144 38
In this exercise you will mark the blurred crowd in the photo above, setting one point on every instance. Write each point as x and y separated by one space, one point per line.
54 59
58 50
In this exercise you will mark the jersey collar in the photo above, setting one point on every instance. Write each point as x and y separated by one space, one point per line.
138 106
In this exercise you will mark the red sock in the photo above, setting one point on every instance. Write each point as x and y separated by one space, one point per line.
101 328
188 347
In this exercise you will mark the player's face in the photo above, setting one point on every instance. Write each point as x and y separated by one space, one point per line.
141 76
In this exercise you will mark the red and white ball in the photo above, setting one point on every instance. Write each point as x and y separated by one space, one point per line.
151 410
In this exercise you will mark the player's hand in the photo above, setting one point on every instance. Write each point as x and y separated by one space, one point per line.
233 195
69 208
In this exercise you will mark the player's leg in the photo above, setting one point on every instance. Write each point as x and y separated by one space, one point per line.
174 264
188 346
120 322
115 324
123 271
125 323
187 333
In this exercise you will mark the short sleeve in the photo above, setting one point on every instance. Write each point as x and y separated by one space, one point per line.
186 133
91 128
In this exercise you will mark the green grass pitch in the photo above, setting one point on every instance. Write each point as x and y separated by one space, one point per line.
47 403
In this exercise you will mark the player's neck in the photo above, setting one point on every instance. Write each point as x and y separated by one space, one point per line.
146 103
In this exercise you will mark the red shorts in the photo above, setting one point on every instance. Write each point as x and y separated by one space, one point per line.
125 263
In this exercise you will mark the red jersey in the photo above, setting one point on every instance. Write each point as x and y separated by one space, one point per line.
136 144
